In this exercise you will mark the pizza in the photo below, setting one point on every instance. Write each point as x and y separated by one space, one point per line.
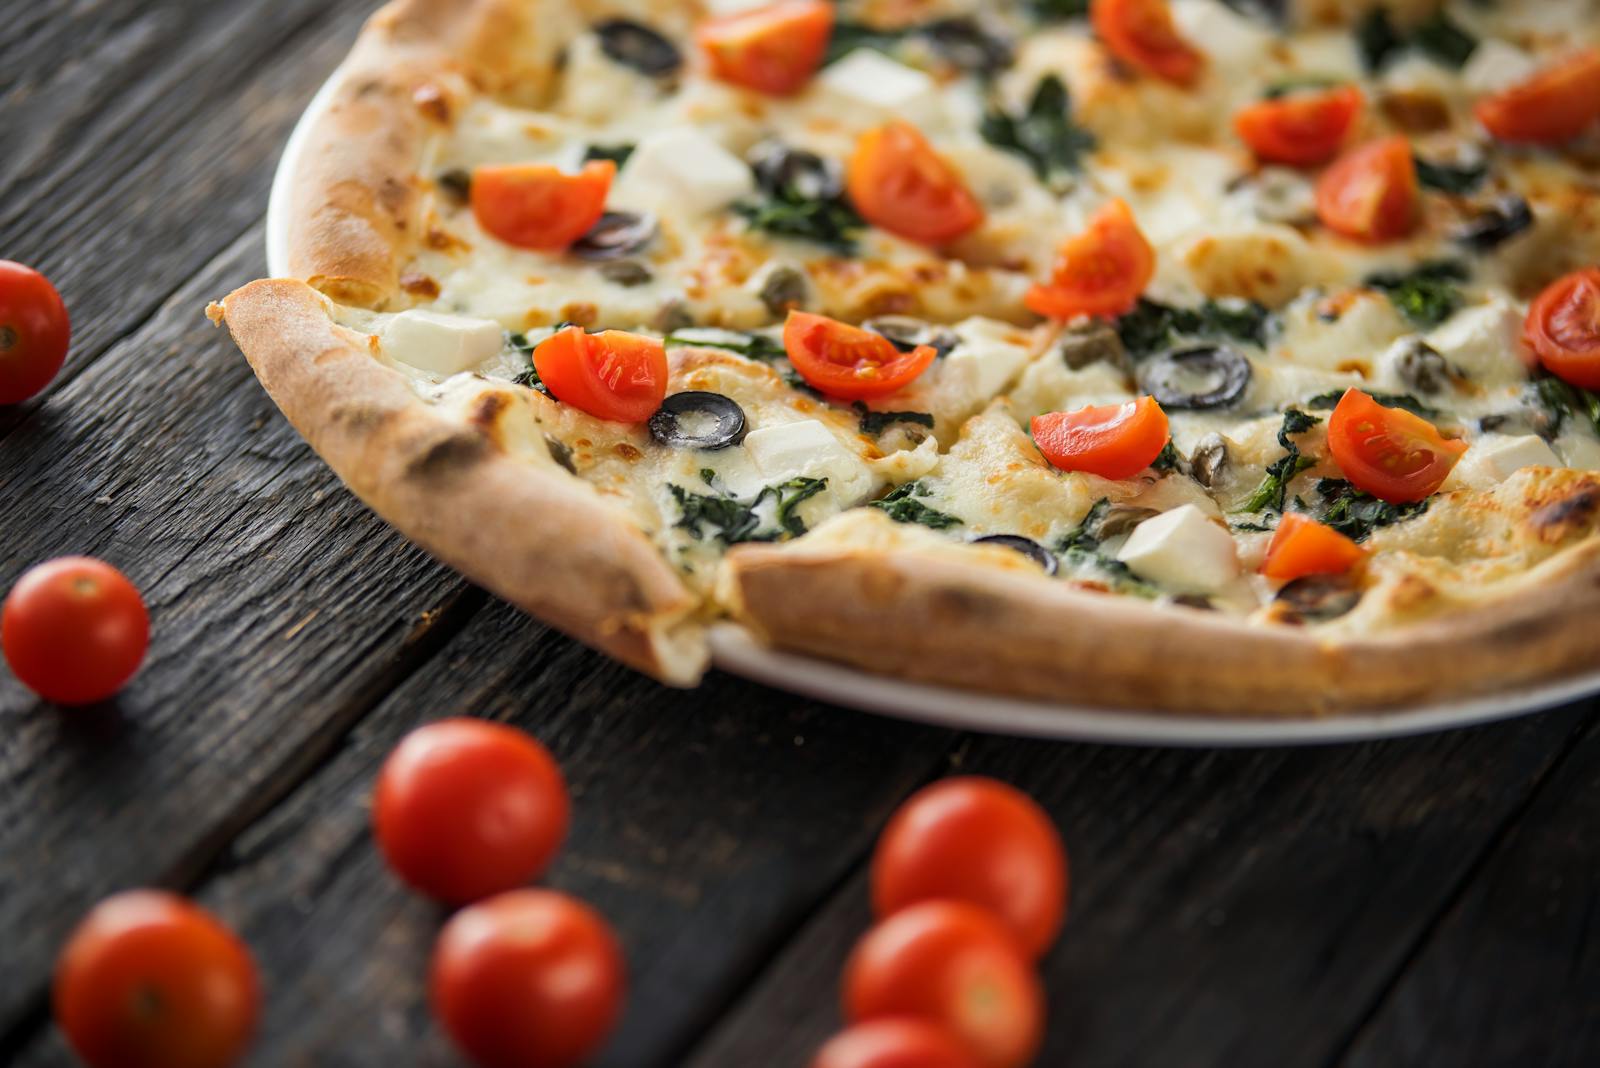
1233 358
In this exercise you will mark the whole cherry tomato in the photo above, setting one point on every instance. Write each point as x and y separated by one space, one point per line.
34 332
895 1043
74 630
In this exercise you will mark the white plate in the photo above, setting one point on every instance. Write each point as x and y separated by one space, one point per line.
736 651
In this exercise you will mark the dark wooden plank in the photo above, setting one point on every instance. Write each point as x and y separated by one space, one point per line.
1230 908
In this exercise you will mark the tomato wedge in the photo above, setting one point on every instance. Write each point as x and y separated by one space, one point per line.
897 181
613 374
1552 107
539 206
1141 33
1563 328
1389 452
1302 129
1302 546
1101 271
849 362
1370 193
772 49
1113 440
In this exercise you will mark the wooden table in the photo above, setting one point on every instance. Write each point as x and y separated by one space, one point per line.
1431 902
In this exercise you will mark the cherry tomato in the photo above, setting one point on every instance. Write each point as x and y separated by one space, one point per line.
150 980
979 841
898 182
34 331
772 49
849 362
74 630
539 206
611 375
1141 33
894 1043
1101 271
1563 328
1389 452
465 808
1302 546
1550 108
1113 441
1370 192
956 964
1301 129
528 979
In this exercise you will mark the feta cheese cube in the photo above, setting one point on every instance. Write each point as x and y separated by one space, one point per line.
1496 457
439 343
1228 38
807 448
1182 550
682 169
866 78
1485 341
987 357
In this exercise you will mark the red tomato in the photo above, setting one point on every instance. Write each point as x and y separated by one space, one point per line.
539 206
1301 129
1389 452
150 980
1113 440
1302 546
773 49
465 808
1554 106
894 1043
956 964
74 630
1563 328
611 375
1101 271
34 331
528 979
898 182
1370 193
1141 34
979 841
846 361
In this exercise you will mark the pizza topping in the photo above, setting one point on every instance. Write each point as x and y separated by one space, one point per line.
1552 107
1274 488
1300 129
698 419
802 196
439 343
633 44
1302 546
1318 598
1390 453
538 206
1113 441
898 182
1356 513
626 273
1100 271
902 506
966 45
682 170
1043 133
849 362
611 375
722 517
1563 328
1428 294
1423 368
1183 550
616 234
1206 376
1026 546
773 49
1142 34
907 333
1370 193
1151 326
1489 225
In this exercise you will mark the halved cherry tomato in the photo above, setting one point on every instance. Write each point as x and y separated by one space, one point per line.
895 1042
1301 129
849 362
1370 192
1100 271
1563 328
1389 452
34 332
976 840
1113 440
1550 108
612 375
897 181
527 979
1302 546
150 980
772 49
465 808
956 964
74 630
540 206
1141 33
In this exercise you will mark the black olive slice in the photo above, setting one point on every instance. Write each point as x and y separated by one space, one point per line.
698 419
633 44
782 171
1318 598
1495 223
614 235
1206 376
968 46
1026 546
907 333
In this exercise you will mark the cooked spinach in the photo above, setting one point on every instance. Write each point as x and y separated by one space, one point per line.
1427 295
1330 400
1280 89
788 210
1043 133
1565 401
724 517
1274 486
755 346
1440 37
1377 39
1356 514
1152 327
530 376
1050 10
1081 547
903 507
1443 39
1167 459
617 154
848 36
875 423
1457 179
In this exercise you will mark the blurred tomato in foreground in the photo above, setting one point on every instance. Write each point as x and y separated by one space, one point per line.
74 630
894 1043
150 980
528 979
34 332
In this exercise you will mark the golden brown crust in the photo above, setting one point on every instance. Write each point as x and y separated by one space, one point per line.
537 536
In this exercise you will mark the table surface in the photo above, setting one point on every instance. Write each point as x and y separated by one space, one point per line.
1429 901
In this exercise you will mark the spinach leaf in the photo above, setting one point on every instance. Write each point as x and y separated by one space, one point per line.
1280 89
1167 459
1377 39
875 423
903 507
1428 295
789 211
755 346
1274 486
1457 179
789 495
530 376
724 517
1043 134
1411 404
1443 39
1565 401
1052 10
1152 326
848 36
1356 514
617 154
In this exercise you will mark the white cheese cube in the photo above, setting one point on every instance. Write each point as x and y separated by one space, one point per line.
1485 341
986 359
807 448
1182 550
866 78
440 343
1230 40
1495 65
1494 458
684 170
